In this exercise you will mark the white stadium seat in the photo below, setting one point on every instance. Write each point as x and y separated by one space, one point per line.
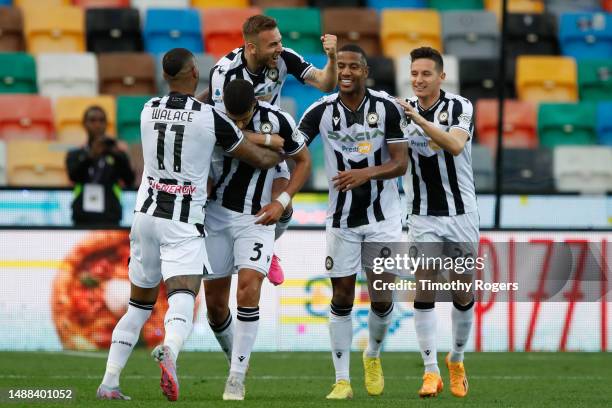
583 168
67 74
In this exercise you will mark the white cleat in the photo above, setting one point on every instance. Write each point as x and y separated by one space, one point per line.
108 393
234 389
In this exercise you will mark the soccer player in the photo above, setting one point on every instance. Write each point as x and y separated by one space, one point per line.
443 216
362 137
167 235
240 219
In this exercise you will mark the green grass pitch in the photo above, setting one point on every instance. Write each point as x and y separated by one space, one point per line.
303 379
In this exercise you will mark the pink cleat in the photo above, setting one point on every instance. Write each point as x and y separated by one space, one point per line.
276 276
169 380
108 393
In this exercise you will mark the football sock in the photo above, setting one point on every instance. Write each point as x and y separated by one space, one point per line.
425 327
178 320
224 333
341 335
462 317
378 323
247 325
124 338
282 224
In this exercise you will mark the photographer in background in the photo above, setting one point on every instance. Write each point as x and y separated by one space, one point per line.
98 169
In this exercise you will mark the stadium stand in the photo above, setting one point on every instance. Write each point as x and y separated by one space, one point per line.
69 112
520 124
532 34
470 34
582 35
113 30
482 164
126 73
570 6
204 61
101 3
55 80
567 124
304 95
279 3
354 25
17 73
220 3
144 5
382 75
594 80
222 28
128 117
335 3
2 163
515 6
546 78
583 168
448 5
26 117
380 5
478 79
300 28
36 163
11 29
528 171
41 3
403 80
607 5
54 29
404 30
165 29
604 123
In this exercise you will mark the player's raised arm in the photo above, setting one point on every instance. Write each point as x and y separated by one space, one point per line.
325 79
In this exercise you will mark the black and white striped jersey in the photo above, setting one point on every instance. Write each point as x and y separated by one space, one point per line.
438 183
267 83
178 136
245 189
356 140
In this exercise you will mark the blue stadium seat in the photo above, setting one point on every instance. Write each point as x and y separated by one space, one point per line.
383 4
572 6
169 28
6 2
586 35
604 123
304 95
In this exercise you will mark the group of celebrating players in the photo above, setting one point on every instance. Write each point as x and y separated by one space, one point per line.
223 154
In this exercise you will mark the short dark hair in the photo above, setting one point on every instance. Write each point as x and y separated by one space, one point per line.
93 108
429 53
175 59
238 96
256 24
356 49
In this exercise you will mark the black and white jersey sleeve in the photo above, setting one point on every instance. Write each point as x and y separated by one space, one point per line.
462 115
296 64
395 122
311 120
226 132
294 140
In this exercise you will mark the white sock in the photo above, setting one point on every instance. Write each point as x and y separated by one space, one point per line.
224 333
282 224
247 325
341 336
377 327
462 317
425 325
125 337
178 321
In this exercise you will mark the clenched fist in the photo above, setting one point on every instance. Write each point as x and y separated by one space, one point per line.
330 44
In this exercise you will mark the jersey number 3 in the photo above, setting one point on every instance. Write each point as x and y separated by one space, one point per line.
179 131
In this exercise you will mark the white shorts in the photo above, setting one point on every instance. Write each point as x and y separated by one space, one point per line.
235 242
161 249
345 245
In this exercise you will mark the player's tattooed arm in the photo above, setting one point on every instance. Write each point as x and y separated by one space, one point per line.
325 79
275 142
256 156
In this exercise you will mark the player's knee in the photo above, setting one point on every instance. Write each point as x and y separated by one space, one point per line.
188 282
217 313
424 305
463 300
248 293
381 307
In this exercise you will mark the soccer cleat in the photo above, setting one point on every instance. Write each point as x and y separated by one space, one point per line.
276 276
234 389
341 390
107 393
374 379
458 379
432 385
169 380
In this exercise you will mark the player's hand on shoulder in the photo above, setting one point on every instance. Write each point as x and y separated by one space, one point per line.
330 44
269 214
350 179
410 112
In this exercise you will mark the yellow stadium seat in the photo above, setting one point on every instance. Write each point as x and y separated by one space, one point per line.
220 3
54 29
36 163
41 3
546 78
69 112
404 30
515 6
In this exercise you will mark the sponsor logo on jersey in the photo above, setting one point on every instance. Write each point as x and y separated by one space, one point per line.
443 116
273 74
265 127
172 188
357 137
361 148
372 118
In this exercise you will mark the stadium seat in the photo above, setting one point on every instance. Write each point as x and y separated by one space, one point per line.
220 3
571 6
478 78
69 116
102 3
2 163
279 3
41 3
6 2
222 28
595 79
446 5
515 6
123 73
300 28
165 29
55 80
11 30
204 61
567 124
533 34
382 75
544 78
404 30
604 123
482 165
36 163
520 123
304 95
607 5
54 29
26 117
335 3
528 171
354 25
403 77
113 30
380 5
128 117
17 73
585 169
144 5
586 35
470 34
